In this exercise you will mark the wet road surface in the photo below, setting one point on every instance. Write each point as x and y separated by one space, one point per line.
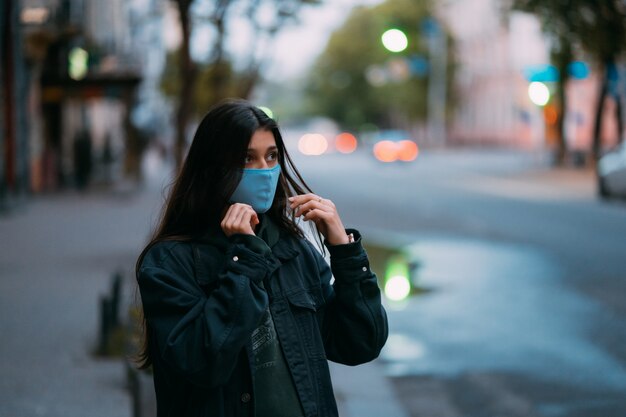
523 275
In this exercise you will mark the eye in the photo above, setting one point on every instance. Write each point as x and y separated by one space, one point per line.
248 159
272 156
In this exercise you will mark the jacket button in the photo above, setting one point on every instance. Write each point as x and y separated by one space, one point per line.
235 258
245 397
364 269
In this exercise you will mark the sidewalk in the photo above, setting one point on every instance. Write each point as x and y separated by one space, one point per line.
57 255
364 391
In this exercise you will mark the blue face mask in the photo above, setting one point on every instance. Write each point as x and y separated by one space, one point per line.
257 188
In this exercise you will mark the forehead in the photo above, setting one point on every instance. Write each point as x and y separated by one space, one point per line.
262 140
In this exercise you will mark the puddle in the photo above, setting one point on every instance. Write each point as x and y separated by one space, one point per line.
491 306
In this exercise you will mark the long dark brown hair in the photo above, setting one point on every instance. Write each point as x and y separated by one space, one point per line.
209 176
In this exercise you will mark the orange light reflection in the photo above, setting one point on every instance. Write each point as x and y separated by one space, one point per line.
385 151
345 142
407 150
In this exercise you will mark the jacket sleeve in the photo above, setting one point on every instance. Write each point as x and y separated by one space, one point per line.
354 323
198 336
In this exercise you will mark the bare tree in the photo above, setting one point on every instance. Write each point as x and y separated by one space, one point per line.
596 27
266 17
188 72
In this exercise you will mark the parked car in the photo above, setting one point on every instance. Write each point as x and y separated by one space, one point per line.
611 173
391 145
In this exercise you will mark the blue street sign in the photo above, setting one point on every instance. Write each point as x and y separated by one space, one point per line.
578 70
541 73
418 65
549 73
430 27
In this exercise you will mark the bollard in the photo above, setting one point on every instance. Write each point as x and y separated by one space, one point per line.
105 324
116 290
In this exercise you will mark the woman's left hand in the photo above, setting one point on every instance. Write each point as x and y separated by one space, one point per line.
323 213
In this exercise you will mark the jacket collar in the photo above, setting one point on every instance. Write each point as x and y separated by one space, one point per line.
286 247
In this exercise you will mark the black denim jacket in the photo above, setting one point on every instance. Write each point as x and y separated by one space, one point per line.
203 299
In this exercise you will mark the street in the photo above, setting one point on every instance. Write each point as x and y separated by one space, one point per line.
524 271
520 270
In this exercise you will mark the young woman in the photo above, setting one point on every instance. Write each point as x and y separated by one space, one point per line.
240 312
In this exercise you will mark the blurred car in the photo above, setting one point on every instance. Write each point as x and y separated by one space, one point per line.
392 145
611 173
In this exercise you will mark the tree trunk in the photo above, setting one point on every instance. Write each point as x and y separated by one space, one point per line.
221 73
596 147
247 83
220 80
620 118
561 151
188 79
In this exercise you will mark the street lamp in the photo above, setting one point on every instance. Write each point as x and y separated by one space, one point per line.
395 40
539 93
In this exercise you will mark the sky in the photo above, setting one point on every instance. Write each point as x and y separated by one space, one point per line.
295 48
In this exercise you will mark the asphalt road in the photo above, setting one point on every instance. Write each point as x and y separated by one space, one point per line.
524 272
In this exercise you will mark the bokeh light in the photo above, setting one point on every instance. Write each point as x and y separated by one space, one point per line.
550 114
395 40
385 151
539 93
345 142
267 111
34 15
407 150
313 144
397 282
389 151
397 288
78 63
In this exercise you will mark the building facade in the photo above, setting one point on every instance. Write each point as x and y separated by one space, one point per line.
76 69
14 105
492 50
495 51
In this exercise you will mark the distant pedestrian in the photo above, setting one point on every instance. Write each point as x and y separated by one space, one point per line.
240 312
107 159
82 159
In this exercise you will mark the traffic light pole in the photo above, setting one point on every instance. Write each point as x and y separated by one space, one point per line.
438 52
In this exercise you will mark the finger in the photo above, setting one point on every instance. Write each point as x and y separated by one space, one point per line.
227 212
227 217
302 198
311 205
243 219
235 218
249 217
317 214
231 211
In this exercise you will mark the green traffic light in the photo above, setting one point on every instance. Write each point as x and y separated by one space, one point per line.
78 63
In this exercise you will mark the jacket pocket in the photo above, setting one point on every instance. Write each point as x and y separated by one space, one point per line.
304 299
304 306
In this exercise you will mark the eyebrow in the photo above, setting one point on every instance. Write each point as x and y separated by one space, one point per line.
271 148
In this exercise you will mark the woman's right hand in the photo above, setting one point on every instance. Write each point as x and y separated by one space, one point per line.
239 218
